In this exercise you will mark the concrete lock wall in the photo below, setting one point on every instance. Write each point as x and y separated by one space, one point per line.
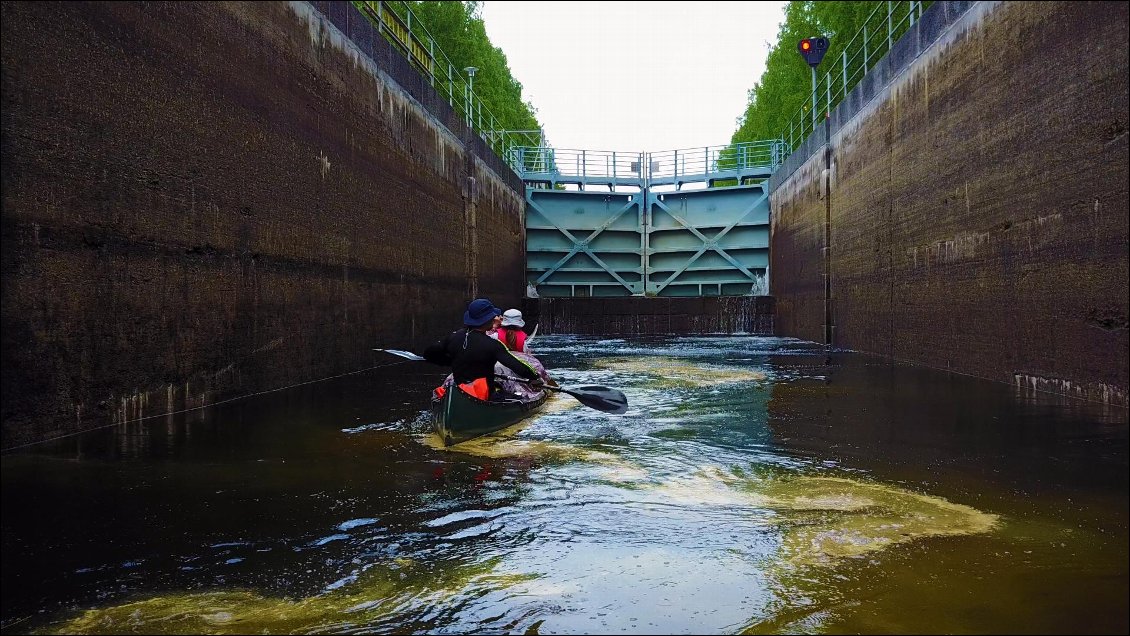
972 195
207 200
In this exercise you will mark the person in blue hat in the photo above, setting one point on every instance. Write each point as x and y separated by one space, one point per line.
472 354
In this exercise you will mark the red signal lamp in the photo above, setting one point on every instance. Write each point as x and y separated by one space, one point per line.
813 50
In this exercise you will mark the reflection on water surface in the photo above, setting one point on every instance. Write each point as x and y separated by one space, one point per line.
756 485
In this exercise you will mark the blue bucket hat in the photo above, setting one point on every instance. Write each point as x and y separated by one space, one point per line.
479 312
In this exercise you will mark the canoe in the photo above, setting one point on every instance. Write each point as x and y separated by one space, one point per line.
458 417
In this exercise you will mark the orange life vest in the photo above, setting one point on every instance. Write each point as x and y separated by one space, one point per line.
478 388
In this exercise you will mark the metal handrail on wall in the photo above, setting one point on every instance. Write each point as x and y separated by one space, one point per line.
400 26
512 141
888 22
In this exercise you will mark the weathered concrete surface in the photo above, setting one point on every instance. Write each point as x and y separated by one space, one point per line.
207 200
796 252
978 202
642 315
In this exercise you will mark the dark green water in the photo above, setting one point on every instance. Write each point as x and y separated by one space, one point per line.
756 485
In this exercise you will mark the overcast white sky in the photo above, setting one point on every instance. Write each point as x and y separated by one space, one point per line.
635 76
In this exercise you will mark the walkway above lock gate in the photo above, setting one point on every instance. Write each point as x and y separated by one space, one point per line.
732 164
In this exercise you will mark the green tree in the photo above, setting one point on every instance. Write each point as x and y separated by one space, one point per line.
461 39
460 33
786 85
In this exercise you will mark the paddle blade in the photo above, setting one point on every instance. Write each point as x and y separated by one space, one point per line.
402 354
600 398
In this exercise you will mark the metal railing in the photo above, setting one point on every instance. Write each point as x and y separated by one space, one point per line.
529 152
668 166
538 159
888 22
396 22
580 166
689 164
524 150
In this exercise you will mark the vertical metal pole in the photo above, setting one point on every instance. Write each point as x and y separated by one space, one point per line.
864 69
380 17
890 27
845 72
450 83
814 102
828 94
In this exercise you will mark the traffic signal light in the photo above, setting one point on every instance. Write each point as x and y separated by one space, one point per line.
813 50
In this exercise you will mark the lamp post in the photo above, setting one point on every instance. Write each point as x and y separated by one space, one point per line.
470 92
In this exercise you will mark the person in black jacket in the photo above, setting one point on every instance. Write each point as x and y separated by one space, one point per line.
471 353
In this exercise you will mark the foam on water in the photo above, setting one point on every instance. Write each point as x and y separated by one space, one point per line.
359 600
670 372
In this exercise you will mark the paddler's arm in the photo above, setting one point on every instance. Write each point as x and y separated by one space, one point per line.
436 353
508 360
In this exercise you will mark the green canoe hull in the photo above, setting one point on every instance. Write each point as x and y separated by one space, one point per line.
458 417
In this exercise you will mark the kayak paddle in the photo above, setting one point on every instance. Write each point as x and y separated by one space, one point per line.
402 354
600 398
